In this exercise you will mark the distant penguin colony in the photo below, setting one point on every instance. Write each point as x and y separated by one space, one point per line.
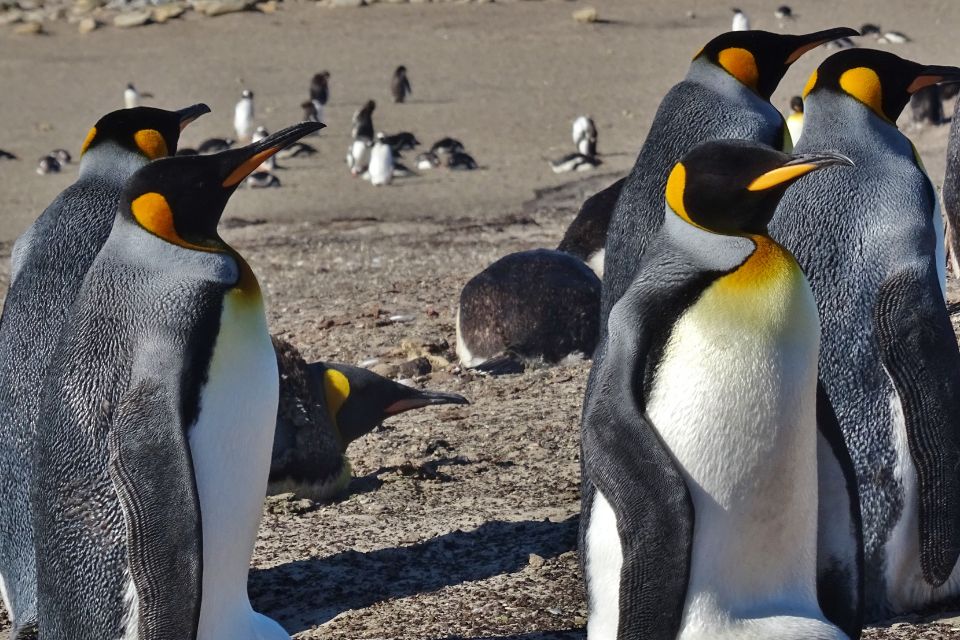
243 117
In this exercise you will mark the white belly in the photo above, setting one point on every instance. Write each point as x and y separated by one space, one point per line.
604 555
941 251
243 119
231 445
735 403
381 165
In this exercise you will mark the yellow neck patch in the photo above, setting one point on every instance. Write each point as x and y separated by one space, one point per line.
153 213
151 143
811 83
86 142
741 64
768 263
336 388
864 84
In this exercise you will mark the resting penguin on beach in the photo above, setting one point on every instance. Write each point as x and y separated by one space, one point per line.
323 408
725 94
47 266
701 485
539 304
159 411
870 241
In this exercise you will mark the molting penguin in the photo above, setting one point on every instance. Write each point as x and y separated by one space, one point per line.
381 162
400 84
726 94
363 121
700 435
323 408
159 412
795 119
585 136
870 240
48 264
243 116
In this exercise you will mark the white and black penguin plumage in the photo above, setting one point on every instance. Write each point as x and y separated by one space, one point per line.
446 146
725 94
262 180
363 121
889 360
358 156
48 164
400 84
381 162
47 266
585 136
795 119
131 97
6 155
740 22
427 160
243 115
161 405
62 155
702 487
320 88
574 162
215 145
270 163
460 161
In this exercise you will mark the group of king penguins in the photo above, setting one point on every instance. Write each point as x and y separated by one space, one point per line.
770 436
139 386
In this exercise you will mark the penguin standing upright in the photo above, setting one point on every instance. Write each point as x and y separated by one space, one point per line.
585 136
243 116
131 97
47 266
700 425
363 121
740 22
400 84
870 240
159 411
319 93
381 162
725 94
795 119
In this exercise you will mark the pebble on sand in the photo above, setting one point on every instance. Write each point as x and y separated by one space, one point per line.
131 19
586 15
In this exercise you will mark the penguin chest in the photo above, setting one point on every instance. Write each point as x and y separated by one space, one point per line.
231 443
734 400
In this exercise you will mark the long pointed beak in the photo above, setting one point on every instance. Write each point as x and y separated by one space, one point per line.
799 165
934 74
252 156
191 113
813 40
423 399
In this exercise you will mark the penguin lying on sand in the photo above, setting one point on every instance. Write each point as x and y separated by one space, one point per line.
48 264
323 408
159 414
700 427
870 239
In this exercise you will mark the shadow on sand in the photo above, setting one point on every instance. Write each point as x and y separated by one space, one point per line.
306 593
572 634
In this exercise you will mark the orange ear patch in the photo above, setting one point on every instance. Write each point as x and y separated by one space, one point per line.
741 64
811 83
153 213
86 142
151 143
864 84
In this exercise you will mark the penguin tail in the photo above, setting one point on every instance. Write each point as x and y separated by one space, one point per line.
424 399
502 364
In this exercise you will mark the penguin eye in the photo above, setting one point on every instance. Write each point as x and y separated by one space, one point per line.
864 84
151 143
336 388
741 64
89 139
811 83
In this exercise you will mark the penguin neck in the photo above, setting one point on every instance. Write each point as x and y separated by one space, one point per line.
831 119
713 77
109 161
709 251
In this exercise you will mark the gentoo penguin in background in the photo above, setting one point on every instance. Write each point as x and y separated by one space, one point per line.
270 163
585 136
62 155
740 21
926 106
243 116
427 160
446 145
323 408
381 162
700 425
870 240
297 150
215 145
319 94
574 162
400 84
166 453
459 161
262 180
48 164
131 97
402 141
725 94
312 112
358 156
47 266
784 12
363 121
538 305
795 119
951 193
6 155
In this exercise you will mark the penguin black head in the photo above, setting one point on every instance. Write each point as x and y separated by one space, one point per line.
246 93
880 80
154 133
733 186
181 199
400 70
759 59
796 104
358 399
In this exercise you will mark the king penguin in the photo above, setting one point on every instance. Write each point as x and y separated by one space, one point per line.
159 411
48 264
871 241
951 193
700 425
332 405
726 94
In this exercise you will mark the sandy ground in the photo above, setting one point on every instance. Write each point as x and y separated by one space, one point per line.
461 522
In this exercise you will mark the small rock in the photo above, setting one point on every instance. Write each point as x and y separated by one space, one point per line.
29 29
131 19
536 561
11 17
287 504
346 3
87 25
416 367
221 7
585 15
270 6
385 370
165 12
85 6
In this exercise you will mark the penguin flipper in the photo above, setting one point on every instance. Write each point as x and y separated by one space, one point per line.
919 351
840 528
164 544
